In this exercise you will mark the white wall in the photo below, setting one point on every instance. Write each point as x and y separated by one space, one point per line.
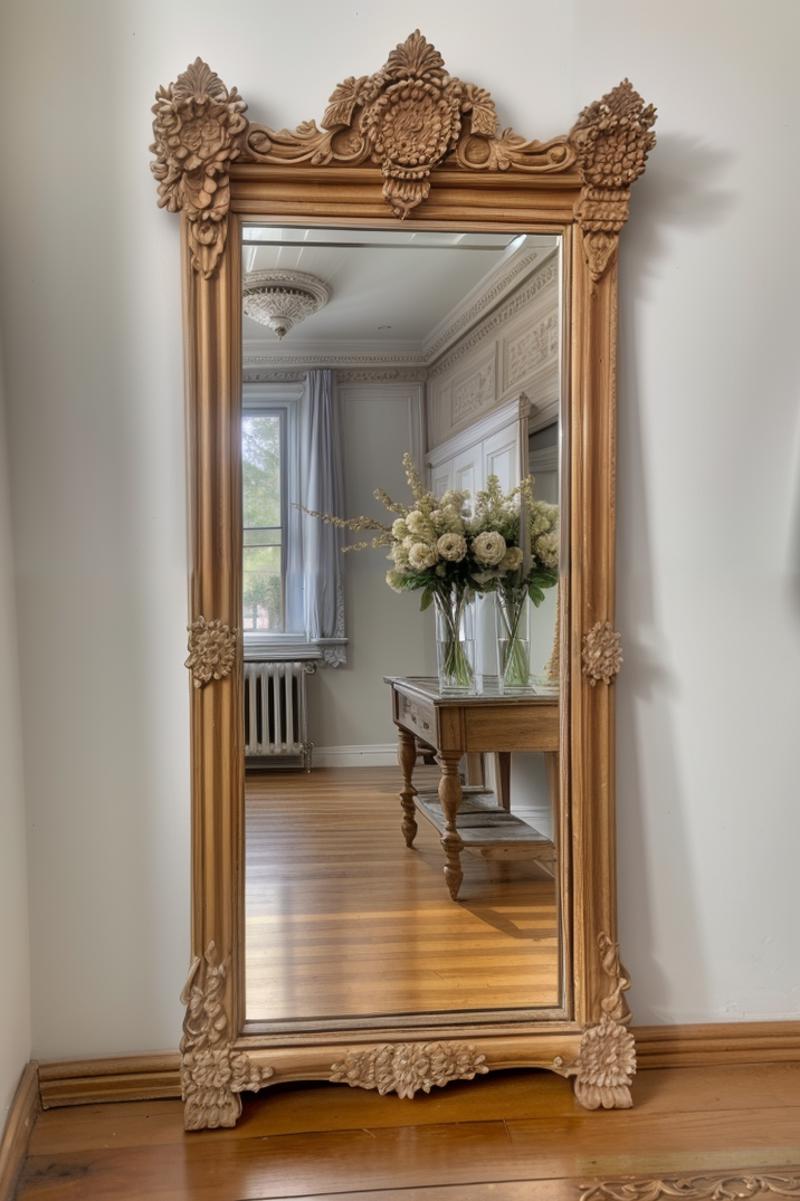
709 595
15 990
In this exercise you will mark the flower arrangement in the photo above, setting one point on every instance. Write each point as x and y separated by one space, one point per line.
441 549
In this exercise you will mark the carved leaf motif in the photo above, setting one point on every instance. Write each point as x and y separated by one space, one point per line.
346 97
415 58
479 104
212 1073
198 131
728 1186
408 1068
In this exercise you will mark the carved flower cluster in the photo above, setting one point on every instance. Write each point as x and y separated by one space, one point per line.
212 648
602 653
197 129
407 1068
613 137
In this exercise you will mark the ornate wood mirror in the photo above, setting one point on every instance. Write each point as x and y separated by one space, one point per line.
405 278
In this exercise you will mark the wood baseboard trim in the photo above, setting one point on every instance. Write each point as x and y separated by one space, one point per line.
717 1044
17 1130
126 1078
153 1077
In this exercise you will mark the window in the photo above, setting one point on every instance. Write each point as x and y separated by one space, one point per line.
264 463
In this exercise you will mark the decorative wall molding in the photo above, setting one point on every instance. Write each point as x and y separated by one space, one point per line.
370 754
602 653
212 1073
718 1186
490 292
212 650
408 1068
344 375
500 316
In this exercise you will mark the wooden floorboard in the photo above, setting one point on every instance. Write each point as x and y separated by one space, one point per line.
314 1140
330 881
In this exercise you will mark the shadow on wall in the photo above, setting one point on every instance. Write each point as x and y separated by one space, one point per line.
677 191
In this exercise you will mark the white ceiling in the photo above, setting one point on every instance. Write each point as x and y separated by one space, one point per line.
389 289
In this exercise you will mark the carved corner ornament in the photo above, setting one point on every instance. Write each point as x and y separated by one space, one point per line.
212 1073
198 131
602 653
212 650
720 1186
408 1068
606 1061
611 139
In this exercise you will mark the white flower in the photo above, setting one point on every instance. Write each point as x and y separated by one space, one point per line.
395 580
489 548
420 526
422 556
399 554
452 547
447 520
399 529
546 547
512 559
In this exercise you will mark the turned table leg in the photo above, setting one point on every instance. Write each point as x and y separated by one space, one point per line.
407 757
450 798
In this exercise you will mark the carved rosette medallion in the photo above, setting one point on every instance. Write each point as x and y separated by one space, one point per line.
728 1186
212 650
212 1073
408 1068
602 653
612 139
606 1062
198 131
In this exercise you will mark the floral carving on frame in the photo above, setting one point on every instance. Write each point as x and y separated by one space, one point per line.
602 653
212 650
212 1073
606 1062
198 131
408 1068
728 1186
612 139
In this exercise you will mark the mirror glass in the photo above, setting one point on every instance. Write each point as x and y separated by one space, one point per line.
403 557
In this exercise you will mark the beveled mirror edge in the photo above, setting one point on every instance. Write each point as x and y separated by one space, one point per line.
578 185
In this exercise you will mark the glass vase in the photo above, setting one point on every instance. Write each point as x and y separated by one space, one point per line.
513 614
455 641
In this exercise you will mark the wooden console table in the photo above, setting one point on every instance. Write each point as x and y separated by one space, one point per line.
463 725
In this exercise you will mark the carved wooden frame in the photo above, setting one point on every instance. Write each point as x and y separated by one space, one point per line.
409 142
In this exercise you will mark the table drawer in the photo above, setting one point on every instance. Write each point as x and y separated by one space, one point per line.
417 716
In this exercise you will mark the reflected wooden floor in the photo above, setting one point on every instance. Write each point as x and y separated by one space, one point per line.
342 919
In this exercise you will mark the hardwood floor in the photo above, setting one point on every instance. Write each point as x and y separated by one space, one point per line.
343 919
507 1137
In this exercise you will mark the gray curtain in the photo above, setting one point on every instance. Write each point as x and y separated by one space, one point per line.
323 478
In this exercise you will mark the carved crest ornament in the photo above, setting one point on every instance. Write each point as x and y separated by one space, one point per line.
408 118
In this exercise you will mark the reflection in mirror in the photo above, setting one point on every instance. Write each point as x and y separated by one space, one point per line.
404 790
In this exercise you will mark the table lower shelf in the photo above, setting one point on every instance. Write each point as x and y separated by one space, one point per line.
485 827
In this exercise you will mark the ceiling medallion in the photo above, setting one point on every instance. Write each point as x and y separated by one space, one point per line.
281 299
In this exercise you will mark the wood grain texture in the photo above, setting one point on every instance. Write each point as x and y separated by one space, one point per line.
519 1130
17 1130
343 919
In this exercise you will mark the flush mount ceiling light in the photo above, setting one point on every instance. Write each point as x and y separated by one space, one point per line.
281 299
